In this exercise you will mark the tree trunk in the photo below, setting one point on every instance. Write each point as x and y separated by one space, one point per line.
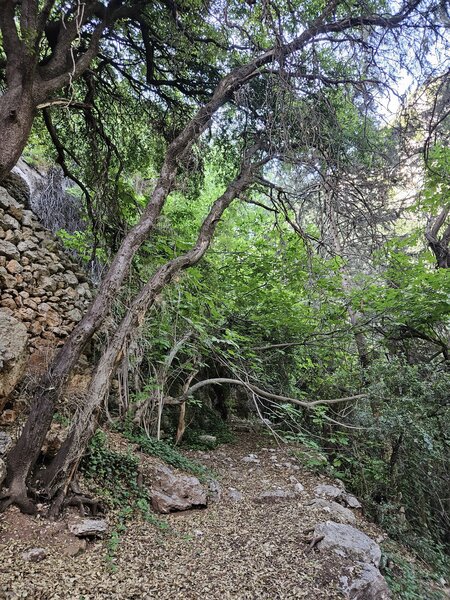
16 118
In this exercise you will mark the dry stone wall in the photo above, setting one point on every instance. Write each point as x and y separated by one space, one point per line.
43 294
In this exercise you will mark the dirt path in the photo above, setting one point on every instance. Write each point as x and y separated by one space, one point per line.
236 548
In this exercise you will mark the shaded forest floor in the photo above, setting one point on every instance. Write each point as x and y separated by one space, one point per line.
236 548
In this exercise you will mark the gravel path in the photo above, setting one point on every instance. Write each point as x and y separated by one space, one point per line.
235 548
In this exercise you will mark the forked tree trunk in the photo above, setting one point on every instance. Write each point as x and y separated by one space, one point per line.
27 449
52 480
23 456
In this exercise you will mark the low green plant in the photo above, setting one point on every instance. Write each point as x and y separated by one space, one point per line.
114 476
162 450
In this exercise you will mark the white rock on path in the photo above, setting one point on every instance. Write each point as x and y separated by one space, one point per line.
214 490
274 496
34 555
88 528
299 488
251 458
234 495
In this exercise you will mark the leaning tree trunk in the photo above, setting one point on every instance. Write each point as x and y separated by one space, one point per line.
52 482
23 456
440 246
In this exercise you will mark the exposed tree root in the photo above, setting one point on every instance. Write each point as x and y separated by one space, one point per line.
82 502
24 504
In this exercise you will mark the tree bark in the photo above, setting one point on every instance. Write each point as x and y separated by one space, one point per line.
440 245
16 119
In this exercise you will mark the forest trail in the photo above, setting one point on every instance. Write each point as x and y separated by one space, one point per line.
236 548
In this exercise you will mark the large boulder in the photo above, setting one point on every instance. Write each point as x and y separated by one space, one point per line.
173 492
348 541
13 354
364 582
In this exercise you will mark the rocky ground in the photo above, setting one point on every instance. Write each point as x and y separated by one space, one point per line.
254 542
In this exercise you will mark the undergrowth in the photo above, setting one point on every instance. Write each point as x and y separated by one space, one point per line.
114 478
163 450
206 421
407 579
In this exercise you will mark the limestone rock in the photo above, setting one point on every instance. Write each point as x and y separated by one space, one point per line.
350 501
337 493
53 440
346 540
214 490
2 472
173 492
234 495
9 250
74 315
274 496
335 511
34 555
16 187
5 442
299 488
8 222
14 267
89 528
207 439
328 491
76 548
365 582
13 343
7 201
251 458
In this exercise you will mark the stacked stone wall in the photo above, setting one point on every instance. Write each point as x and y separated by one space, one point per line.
43 292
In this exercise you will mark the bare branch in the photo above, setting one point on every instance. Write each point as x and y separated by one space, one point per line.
263 393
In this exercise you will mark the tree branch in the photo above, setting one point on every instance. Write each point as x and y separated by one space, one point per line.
261 392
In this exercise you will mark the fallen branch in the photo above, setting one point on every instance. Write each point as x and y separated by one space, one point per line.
313 543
